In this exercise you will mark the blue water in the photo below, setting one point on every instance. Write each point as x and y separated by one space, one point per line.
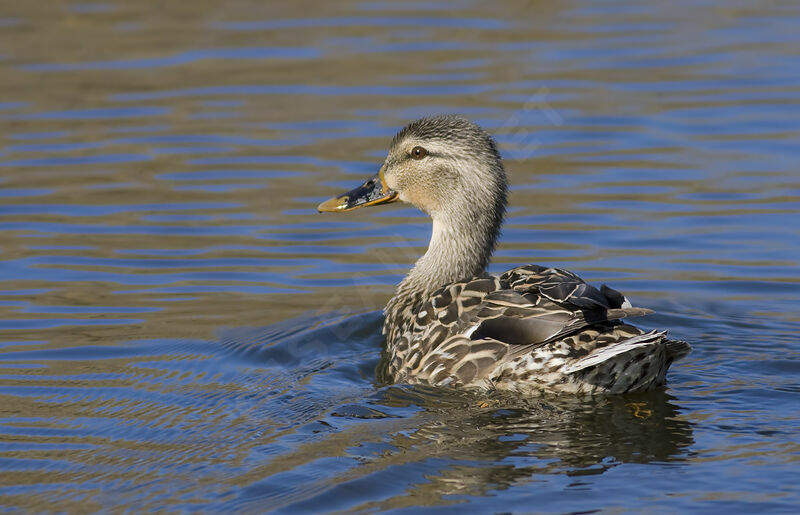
181 331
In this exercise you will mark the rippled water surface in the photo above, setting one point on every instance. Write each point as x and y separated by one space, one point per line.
180 330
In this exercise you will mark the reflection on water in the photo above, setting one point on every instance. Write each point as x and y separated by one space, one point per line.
180 329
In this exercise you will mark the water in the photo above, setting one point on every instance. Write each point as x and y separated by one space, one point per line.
180 330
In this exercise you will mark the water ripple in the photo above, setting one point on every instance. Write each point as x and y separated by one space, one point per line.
180 330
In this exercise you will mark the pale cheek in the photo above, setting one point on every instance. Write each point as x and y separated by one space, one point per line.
391 181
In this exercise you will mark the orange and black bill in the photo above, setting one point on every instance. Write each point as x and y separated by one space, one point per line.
373 192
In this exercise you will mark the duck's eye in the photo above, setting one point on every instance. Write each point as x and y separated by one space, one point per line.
418 152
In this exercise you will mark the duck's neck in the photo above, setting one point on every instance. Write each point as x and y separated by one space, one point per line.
460 248
457 250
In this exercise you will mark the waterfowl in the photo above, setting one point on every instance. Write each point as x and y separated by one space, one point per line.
532 329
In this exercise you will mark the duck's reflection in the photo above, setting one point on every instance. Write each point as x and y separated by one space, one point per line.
492 443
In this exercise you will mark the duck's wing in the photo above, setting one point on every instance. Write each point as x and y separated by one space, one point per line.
466 328
541 305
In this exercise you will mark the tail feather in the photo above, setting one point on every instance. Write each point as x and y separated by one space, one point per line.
617 313
615 349
677 349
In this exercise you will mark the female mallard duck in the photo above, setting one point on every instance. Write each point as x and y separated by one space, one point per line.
532 329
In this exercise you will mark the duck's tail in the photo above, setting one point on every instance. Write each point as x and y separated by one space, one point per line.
677 349
634 364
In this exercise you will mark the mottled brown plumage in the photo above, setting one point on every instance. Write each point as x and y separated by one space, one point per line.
531 330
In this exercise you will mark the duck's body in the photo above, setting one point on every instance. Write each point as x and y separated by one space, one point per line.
532 329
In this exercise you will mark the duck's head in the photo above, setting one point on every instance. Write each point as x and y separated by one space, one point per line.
447 166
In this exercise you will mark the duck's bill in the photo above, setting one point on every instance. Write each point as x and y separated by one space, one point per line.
371 193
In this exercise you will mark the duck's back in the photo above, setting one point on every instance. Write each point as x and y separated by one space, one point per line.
532 329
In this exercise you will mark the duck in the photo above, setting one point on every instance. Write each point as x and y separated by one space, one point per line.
530 330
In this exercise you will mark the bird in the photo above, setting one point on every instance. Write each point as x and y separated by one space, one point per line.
531 330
